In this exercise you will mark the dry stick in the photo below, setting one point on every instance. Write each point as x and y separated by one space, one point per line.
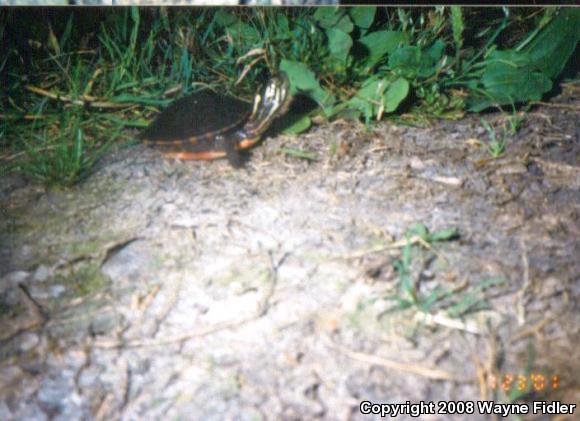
415 239
521 295
481 378
571 86
106 407
247 69
378 249
488 368
91 82
430 373
440 318
32 306
533 330
557 167
82 101
25 117
17 154
557 105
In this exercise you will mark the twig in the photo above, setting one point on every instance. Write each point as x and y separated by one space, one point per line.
378 249
442 319
557 105
521 306
572 86
431 373
25 117
83 100
481 378
532 330
32 306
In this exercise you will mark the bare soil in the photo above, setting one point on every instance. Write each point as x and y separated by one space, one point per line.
189 290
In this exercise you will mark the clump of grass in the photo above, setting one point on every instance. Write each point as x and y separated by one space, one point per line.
498 138
497 142
418 240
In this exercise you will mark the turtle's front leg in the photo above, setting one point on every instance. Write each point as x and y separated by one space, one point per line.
232 153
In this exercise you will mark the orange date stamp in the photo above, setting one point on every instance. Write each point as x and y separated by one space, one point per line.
536 382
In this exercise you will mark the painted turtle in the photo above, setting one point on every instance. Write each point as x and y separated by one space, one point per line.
206 125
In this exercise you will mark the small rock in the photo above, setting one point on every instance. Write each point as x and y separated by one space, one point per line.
57 290
12 279
41 274
29 341
416 163
15 277
131 262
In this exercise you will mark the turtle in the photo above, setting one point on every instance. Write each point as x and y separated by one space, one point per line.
207 125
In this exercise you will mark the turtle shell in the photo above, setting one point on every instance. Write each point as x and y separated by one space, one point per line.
197 118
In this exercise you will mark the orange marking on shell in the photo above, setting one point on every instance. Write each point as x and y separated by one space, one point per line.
199 156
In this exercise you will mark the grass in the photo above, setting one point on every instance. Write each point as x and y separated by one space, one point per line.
497 143
77 82
419 249
498 139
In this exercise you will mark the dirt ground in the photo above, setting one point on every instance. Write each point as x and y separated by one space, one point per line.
187 290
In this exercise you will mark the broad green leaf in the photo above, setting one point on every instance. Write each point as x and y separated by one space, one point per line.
396 93
362 17
300 125
551 49
327 15
339 44
382 43
510 77
224 18
248 33
411 62
406 61
333 18
236 27
368 98
430 59
379 95
435 51
303 79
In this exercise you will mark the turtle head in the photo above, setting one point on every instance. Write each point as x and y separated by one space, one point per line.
272 101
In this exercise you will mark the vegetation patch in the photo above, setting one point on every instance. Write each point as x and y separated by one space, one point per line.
75 81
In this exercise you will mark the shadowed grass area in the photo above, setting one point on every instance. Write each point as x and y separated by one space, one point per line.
76 81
